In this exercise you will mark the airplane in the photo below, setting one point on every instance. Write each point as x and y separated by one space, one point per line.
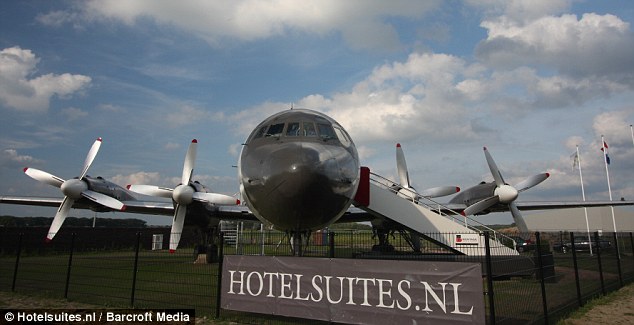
298 171
100 195
184 194
487 197
499 196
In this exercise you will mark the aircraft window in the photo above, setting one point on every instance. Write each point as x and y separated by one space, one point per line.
326 132
293 129
342 136
260 132
275 130
309 129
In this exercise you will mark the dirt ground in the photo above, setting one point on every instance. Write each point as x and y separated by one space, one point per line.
616 308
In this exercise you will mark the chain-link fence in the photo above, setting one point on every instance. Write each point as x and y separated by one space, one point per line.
551 275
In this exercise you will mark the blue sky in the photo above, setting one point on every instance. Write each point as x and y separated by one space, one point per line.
528 79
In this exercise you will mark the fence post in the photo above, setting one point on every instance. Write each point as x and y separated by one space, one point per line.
17 262
136 267
596 240
331 244
576 266
618 259
487 247
540 266
70 263
632 243
221 258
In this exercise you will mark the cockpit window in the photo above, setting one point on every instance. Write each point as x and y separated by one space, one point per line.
275 130
326 131
292 130
342 136
309 129
261 132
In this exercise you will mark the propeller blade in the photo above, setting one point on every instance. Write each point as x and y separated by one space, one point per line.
90 157
440 191
190 161
216 198
151 190
103 199
60 216
499 180
531 181
177 226
481 205
44 177
401 167
519 221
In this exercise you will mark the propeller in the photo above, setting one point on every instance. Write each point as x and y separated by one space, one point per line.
403 175
183 195
505 193
73 189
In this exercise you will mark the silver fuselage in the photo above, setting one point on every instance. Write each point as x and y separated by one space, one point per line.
298 170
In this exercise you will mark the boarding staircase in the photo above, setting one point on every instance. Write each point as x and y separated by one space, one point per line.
424 216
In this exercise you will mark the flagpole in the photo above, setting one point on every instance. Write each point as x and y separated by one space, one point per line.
583 196
607 174
632 131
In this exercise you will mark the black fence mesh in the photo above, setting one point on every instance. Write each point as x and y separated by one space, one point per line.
133 268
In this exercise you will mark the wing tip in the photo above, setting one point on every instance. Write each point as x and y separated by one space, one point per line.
172 251
398 145
25 169
99 139
194 141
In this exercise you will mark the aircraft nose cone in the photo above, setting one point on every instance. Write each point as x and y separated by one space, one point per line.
299 186
506 193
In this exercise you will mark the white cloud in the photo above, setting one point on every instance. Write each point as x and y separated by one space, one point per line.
137 178
594 46
572 142
362 24
10 158
20 90
614 126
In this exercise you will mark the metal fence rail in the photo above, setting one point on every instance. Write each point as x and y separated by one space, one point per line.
553 275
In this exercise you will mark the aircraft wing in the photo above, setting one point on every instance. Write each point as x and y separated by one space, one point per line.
142 207
31 200
224 212
235 212
538 205
354 214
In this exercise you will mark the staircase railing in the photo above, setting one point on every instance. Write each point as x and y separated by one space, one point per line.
437 207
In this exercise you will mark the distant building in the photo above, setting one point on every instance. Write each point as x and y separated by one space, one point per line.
574 220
